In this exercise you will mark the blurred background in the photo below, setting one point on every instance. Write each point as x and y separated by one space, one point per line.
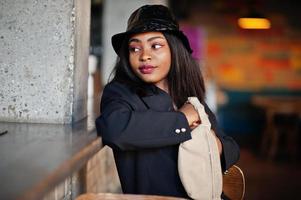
252 72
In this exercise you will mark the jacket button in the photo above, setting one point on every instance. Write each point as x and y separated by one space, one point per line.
178 131
183 130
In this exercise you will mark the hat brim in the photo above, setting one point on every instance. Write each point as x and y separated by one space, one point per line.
119 38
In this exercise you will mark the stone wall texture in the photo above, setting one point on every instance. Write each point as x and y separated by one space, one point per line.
43 53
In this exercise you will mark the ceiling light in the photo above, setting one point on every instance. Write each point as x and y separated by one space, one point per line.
254 23
253 19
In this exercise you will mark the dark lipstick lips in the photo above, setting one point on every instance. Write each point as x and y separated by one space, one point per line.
146 69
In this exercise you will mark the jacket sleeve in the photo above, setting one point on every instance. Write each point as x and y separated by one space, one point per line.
231 153
123 127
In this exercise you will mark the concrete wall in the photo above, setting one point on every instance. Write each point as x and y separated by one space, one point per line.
43 60
116 14
82 44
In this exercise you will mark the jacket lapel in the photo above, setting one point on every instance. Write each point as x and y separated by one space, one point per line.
159 101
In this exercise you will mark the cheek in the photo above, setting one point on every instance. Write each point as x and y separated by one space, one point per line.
133 61
166 61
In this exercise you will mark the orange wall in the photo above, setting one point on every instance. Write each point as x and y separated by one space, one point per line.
250 59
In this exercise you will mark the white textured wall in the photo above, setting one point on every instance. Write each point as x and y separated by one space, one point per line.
116 14
43 53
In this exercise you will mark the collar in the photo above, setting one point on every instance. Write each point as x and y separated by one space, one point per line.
157 99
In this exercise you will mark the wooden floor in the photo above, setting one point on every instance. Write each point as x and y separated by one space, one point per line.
267 180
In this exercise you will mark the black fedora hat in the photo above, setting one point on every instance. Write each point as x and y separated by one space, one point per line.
150 18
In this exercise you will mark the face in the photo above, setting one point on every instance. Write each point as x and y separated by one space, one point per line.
150 58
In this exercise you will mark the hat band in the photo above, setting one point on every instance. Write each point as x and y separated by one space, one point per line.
153 25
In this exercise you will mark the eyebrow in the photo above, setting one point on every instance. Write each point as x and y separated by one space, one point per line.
149 40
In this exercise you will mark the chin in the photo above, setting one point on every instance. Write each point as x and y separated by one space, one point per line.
148 80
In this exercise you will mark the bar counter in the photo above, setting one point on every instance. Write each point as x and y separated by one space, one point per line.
34 158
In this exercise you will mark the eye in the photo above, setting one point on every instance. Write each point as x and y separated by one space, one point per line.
134 49
157 46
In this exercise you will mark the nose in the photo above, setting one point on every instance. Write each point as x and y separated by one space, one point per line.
145 55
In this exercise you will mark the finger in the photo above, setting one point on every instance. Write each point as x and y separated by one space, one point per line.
193 126
196 123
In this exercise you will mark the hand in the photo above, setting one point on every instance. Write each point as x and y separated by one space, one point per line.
191 114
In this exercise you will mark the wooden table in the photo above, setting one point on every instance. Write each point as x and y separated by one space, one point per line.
273 105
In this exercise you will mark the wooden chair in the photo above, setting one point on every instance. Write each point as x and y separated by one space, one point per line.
233 188
234 183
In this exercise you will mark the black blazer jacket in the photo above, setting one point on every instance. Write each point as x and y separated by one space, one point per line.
144 133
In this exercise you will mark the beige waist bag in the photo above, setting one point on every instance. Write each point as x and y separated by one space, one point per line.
199 161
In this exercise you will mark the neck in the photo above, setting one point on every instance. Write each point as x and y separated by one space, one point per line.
163 85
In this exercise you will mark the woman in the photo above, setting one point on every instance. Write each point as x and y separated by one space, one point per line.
144 116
